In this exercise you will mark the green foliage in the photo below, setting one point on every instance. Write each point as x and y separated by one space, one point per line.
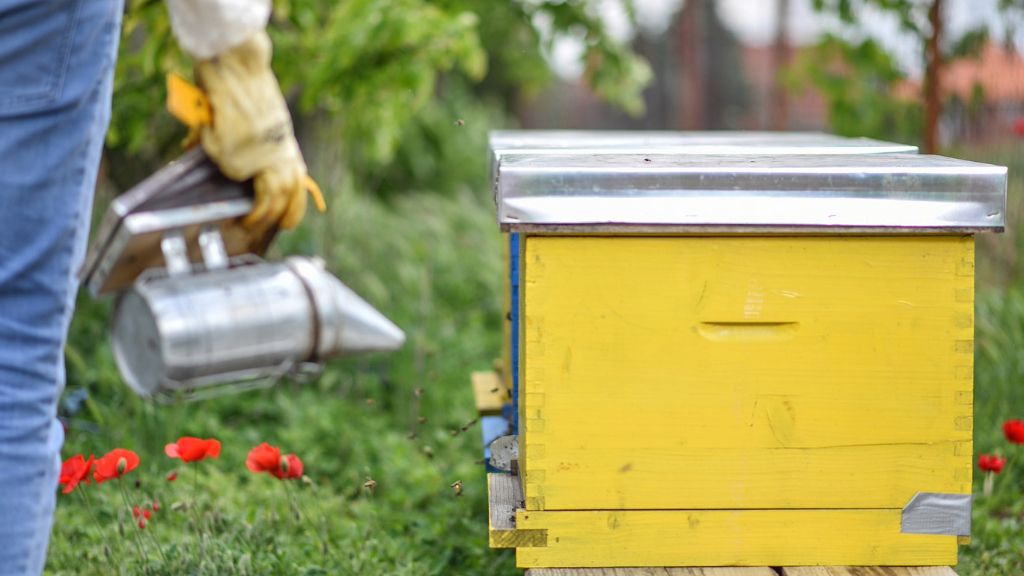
912 14
373 67
871 103
614 72
969 45
857 80
372 64
998 531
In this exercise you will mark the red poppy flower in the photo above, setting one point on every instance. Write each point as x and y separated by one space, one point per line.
290 468
75 470
136 512
263 458
142 524
1014 431
991 463
156 506
115 464
172 475
191 449
267 458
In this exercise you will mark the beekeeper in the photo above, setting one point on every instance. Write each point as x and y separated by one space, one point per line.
56 73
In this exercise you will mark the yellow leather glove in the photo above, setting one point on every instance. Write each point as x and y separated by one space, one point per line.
251 133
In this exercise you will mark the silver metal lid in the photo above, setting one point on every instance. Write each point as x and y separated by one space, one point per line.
721 142
665 142
661 192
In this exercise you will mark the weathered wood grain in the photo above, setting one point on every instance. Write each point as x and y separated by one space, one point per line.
868 571
602 539
651 572
504 496
746 373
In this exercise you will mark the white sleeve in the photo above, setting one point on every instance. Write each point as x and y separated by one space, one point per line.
205 28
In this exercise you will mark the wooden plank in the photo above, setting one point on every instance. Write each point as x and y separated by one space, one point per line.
504 497
868 571
746 373
605 539
489 393
651 572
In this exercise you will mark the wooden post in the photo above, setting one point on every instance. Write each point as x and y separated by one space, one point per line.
933 67
780 59
694 75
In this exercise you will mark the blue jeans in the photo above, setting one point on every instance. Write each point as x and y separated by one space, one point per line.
56 68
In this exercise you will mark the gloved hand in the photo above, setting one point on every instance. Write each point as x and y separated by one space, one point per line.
251 134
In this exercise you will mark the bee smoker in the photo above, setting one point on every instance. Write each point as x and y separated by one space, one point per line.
197 312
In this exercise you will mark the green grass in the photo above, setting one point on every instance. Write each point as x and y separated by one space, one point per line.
431 262
997 546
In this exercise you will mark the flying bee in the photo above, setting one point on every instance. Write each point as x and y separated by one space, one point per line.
370 485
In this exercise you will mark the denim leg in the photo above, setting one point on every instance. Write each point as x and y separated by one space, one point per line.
56 68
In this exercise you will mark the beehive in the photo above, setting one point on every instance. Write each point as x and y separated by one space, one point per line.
744 349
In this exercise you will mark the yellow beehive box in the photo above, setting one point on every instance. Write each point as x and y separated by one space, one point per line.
743 359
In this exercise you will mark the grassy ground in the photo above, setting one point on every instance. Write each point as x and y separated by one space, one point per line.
432 264
998 531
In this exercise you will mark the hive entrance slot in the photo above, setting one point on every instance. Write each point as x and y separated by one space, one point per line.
747 331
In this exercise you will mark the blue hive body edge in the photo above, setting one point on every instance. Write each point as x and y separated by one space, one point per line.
513 272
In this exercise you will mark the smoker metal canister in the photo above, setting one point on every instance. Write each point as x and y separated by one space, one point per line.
247 323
